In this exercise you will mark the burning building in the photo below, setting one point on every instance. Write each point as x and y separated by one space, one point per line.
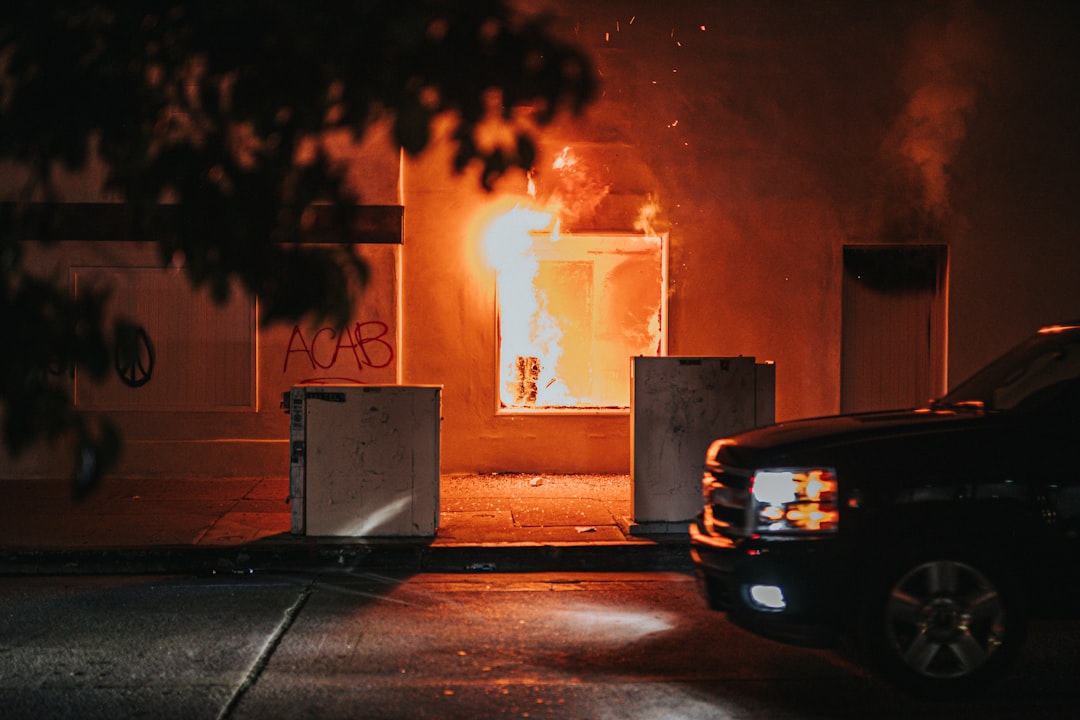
877 197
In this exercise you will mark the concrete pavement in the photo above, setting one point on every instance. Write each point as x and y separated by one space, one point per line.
499 522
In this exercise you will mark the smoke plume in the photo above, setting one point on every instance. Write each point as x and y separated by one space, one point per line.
947 60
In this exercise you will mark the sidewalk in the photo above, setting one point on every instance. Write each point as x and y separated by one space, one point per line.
504 522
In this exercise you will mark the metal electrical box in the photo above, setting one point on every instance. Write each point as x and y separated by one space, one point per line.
678 406
364 460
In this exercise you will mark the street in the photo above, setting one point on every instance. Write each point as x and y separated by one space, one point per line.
586 645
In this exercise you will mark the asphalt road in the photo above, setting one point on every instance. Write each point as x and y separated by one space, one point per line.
444 646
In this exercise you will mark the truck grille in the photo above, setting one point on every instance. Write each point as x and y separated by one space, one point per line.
726 493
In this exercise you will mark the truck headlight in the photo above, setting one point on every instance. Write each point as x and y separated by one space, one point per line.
794 500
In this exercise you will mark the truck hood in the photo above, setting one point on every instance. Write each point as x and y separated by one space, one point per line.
831 432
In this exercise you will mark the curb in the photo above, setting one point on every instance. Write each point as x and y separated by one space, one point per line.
404 556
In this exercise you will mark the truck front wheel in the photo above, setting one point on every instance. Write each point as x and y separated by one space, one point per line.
940 627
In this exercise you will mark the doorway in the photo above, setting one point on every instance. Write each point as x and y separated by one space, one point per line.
893 326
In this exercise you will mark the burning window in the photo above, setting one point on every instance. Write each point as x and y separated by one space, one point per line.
573 309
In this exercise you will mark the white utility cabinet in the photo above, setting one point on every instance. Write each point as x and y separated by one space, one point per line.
364 460
678 406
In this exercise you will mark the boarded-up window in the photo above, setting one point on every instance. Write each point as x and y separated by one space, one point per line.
193 354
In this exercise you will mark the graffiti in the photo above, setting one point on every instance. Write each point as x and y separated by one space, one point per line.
362 345
133 358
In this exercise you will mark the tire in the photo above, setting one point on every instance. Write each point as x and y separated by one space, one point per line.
943 627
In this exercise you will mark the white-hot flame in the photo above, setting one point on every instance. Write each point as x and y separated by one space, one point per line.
573 310
509 247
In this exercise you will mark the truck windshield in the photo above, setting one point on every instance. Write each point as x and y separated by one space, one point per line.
1049 358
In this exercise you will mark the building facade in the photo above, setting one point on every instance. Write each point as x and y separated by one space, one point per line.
875 197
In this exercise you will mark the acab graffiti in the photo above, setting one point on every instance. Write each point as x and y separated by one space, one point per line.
363 345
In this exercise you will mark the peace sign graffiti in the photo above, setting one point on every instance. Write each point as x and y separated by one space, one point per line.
134 358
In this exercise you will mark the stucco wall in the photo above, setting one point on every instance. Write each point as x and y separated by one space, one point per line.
1016 179
745 132
771 134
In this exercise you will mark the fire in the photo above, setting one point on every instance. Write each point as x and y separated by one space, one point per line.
573 308
528 351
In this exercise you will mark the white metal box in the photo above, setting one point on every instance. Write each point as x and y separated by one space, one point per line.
364 460
678 406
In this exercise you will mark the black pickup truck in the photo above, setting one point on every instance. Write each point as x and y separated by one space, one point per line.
924 539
